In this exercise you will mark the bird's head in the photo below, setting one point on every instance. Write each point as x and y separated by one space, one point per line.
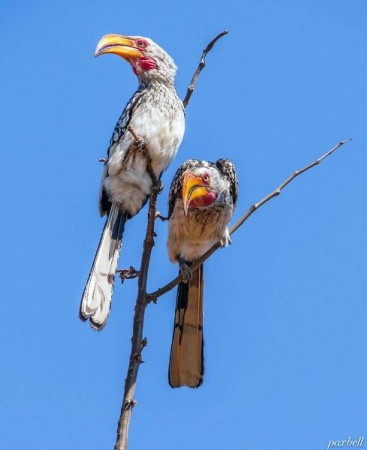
200 187
148 60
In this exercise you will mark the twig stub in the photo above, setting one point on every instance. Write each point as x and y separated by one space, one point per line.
127 274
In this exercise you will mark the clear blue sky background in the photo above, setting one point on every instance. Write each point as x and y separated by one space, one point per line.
285 305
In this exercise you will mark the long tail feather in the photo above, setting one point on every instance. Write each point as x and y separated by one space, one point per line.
96 301
186 367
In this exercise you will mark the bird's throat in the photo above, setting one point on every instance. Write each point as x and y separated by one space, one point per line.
143 64
204 200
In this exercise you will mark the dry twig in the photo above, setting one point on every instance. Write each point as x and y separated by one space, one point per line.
200 67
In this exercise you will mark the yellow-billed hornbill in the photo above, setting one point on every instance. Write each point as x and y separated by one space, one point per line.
202 198
155 114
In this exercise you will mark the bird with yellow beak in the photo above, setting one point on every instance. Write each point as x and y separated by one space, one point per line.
155 114
202 198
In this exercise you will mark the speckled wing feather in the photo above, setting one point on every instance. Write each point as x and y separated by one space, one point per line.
118 134
227 169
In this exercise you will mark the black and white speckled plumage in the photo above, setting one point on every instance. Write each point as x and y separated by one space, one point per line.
156 114
189 237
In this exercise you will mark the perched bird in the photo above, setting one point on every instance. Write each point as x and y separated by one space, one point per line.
202 198
155 114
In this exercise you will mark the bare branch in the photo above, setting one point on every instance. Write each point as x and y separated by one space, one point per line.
137 341
169 286
200 67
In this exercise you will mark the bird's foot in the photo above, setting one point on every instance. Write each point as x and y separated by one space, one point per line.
139 142
157 187
185 270
140 145
226 240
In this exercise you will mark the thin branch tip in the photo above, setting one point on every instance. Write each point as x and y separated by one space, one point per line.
200 67
223 33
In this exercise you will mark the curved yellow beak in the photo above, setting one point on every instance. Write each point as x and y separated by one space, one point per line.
192 187
119 45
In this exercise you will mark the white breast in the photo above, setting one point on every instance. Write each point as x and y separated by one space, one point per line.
162 125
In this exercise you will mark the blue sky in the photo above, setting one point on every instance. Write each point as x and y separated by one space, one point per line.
285 305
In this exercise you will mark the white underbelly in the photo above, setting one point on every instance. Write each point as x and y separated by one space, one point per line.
191 250
128 182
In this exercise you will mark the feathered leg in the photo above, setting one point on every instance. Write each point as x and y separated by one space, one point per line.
186 367
96 301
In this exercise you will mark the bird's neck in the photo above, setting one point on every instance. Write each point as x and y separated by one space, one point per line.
156 83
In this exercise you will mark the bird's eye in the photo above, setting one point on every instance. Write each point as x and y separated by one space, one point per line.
141 43
205 178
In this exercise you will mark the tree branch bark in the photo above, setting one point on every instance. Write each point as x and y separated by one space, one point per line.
153 296
137 341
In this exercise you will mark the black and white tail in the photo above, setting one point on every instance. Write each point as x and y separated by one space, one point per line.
96 301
